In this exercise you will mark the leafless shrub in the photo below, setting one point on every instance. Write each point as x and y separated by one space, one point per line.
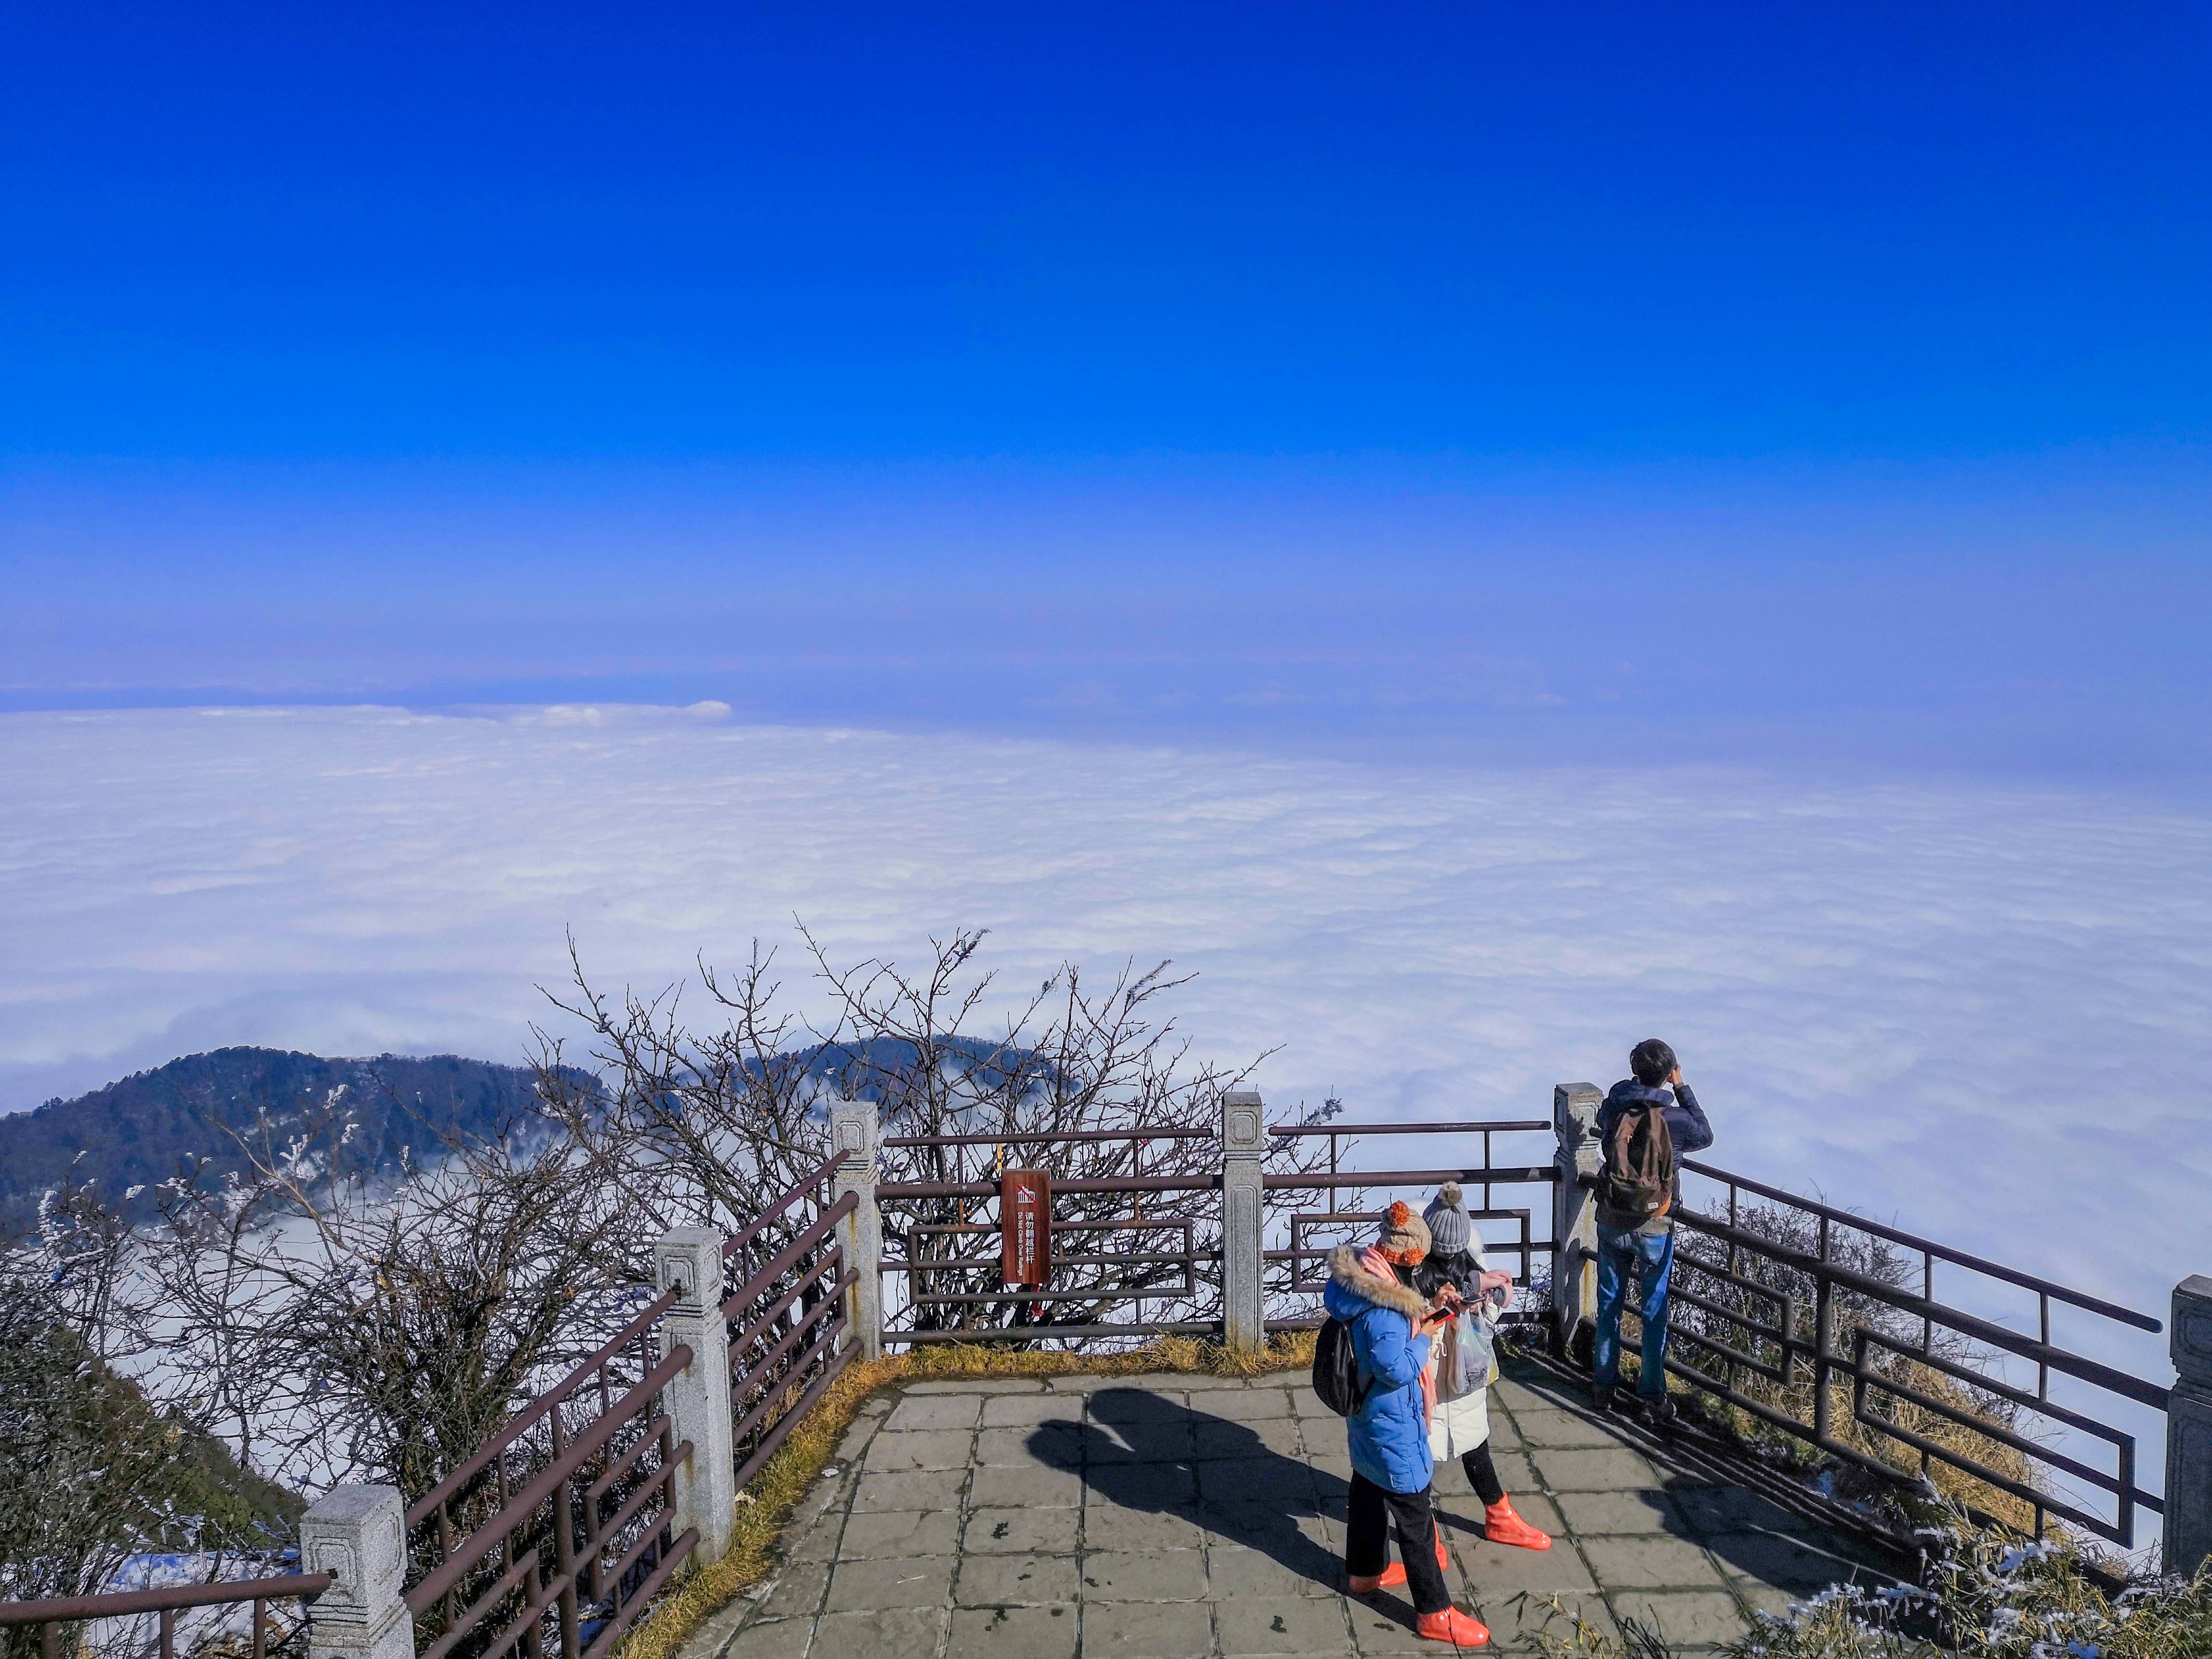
81 1248
327 1321
1749 1295
69 1521
335 1325
699 1124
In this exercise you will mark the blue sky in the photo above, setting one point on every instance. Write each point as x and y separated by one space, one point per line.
1727 383
1492 532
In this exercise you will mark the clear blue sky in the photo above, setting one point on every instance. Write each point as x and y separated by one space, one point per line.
1728 382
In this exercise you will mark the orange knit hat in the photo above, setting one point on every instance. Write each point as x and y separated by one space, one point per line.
1405 1237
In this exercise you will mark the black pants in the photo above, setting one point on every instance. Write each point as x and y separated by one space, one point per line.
1482 1474
1370 1513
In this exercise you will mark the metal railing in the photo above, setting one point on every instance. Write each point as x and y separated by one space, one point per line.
1296 1262
1484 1127
1797 1310
788 1329
166 1601
950 1295
556 1534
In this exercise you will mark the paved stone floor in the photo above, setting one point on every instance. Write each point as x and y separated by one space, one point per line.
1177 1516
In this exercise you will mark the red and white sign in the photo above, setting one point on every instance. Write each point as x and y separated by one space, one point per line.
1026 1227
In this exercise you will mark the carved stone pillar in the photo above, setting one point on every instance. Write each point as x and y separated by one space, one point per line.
852 1135
358 1534
2189 1429
1243 1220
1574 1214
689 1260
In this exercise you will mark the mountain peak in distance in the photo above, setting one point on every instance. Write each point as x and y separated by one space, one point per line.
145 1128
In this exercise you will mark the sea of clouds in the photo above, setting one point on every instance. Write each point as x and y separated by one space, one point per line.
1977 1009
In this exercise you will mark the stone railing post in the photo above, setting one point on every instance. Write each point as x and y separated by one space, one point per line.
358 1534
2189 1429
688 1261
1574 1214
1243 1220
853 1135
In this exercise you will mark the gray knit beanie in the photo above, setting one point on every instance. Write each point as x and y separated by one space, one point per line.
1448 1226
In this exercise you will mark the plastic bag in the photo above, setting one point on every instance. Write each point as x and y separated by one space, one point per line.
1478 1360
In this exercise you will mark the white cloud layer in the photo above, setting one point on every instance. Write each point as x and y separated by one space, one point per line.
1979 1011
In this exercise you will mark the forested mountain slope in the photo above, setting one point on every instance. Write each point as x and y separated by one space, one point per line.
141 1130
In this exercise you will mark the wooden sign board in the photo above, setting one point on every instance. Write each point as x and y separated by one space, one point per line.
1026 1227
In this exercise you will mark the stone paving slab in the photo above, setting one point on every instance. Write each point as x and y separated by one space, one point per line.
1016 1632
1018 1581
1627 1510
1022 1531
1201 1517
880 1534
937 1411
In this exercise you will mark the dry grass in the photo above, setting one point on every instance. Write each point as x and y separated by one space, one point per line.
770 1497
1995 1599
1952 1485
1986 1599
1875 1258
1564 1634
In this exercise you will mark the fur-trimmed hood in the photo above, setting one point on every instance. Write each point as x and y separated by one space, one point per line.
1350 1274
1388 1435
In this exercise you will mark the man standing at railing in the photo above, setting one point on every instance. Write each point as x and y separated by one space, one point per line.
1649 1124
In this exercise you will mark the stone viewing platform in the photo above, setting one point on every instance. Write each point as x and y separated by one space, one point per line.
1182 1516
1177 1516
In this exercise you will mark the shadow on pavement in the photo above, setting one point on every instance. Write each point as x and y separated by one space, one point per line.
1154 1456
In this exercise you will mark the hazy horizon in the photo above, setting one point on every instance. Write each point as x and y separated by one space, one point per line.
1880 983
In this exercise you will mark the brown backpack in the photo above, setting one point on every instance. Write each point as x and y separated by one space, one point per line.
1639 1164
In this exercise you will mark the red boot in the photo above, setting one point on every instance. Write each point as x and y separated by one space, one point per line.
1504 1527
1360 1584
1461 1630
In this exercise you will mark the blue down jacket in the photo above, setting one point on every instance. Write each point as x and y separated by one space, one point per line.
1389 1432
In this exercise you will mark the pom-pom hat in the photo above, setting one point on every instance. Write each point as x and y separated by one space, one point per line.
1405 1237
1450 1230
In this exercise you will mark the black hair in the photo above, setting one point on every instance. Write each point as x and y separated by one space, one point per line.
1652 1061
1455 1267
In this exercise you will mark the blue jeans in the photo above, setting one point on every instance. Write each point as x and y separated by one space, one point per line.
1619 1254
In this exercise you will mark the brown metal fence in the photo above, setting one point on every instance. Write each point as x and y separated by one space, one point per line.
1313 1234
950 1293
1167 1264
789 1336
1795 1312
51 1617
554 1537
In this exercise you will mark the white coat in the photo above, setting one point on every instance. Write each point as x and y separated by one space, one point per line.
1457 1426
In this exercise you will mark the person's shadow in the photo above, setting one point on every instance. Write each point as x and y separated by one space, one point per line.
1149 1454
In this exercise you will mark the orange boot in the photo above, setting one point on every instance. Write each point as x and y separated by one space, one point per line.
1461 1630
1395 1573
1360 1584
1504 1527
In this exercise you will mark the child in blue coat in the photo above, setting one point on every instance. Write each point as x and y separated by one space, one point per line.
1391 1323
